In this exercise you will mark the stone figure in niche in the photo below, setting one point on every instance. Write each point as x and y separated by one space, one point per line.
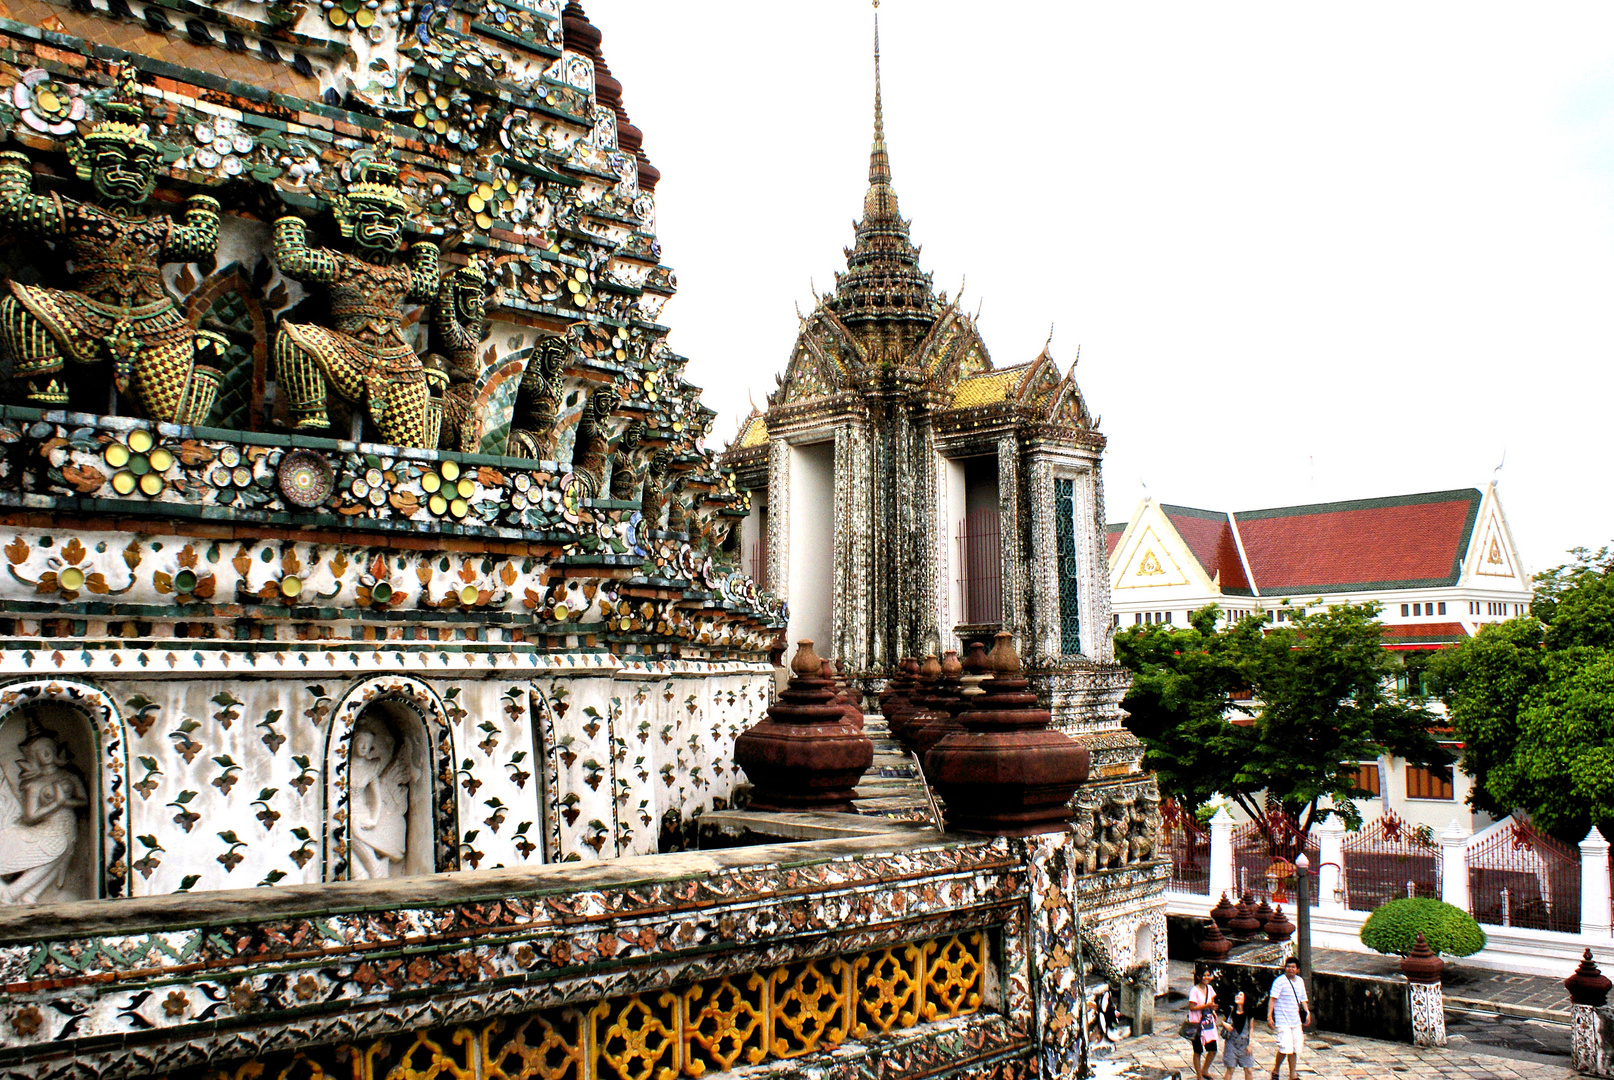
624 466
593 442
457 319
1111 839
365 355
1145 827
117 309
39 818
1086 826
532 422
381 777
654 501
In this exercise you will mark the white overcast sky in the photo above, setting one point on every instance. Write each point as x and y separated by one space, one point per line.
1309 251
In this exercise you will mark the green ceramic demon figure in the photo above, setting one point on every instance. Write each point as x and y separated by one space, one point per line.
117 309
365 355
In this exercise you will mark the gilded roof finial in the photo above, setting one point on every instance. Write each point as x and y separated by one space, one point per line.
879 162
881 202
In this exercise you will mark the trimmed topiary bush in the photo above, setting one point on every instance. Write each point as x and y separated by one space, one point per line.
1449 930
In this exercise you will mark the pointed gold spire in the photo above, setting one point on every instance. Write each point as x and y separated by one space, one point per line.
881 202
882 282
879 160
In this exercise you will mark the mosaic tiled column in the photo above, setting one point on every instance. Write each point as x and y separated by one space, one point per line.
1055 930
923 576
854 500
778 538
1011 542
1043 569
1103 632
1583 1038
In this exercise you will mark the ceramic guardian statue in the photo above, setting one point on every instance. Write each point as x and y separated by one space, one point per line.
457 319
117 309
532 427
365 355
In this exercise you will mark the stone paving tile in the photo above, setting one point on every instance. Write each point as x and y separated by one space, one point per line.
1342 1057
1464 983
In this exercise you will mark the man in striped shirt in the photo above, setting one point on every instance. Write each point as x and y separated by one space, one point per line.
1287 1013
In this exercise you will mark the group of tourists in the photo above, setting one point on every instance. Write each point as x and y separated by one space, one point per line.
1233 1024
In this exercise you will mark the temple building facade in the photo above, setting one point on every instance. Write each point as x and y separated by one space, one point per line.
1441 565
908 497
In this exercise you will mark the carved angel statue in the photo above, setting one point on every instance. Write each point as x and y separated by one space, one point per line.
381 775
365 355
117 309
39 819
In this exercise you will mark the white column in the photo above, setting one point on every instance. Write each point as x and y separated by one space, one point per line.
1594 898
1453 865
1221 855
1428 1015
1330 862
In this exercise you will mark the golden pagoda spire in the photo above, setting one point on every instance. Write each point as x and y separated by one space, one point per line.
880 204
879 160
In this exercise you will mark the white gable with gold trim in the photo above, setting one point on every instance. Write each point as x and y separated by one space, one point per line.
1153 568
1492 561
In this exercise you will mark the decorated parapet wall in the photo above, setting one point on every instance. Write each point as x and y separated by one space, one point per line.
355 515
898 955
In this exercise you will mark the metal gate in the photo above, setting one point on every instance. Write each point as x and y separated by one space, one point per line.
1519 876
1190 849
1265 867
1389 860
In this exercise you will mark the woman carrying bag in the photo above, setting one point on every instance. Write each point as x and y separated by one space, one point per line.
1200 1027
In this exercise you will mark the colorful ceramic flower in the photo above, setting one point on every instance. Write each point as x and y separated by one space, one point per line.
48 106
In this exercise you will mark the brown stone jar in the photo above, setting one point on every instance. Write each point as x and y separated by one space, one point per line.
804 755
1006 774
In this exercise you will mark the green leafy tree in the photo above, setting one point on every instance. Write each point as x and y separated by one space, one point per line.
1532 700
1322 697
1183 679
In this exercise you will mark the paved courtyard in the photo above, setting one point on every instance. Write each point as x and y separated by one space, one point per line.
1338 1057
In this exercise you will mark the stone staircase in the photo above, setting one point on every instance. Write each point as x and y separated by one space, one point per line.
891 787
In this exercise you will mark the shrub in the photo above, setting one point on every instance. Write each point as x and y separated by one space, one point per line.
1450 930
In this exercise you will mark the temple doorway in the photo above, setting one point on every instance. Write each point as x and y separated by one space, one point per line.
812 544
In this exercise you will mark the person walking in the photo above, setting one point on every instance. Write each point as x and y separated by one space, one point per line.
1200 1028
1237 1030
1288 1015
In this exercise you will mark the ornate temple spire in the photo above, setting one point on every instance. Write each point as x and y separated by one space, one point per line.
879 159
883 282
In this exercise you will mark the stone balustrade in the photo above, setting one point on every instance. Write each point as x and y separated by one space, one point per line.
902 951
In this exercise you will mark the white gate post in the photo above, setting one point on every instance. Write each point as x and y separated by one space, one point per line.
1330 862
1453 864
1221 855
1594 886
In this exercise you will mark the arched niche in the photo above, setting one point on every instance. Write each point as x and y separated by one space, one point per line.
389 783
63 767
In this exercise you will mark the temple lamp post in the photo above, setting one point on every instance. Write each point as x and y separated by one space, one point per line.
1303 916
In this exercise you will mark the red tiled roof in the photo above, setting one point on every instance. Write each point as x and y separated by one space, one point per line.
1423 635
1112 536
1210 537
1406 541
